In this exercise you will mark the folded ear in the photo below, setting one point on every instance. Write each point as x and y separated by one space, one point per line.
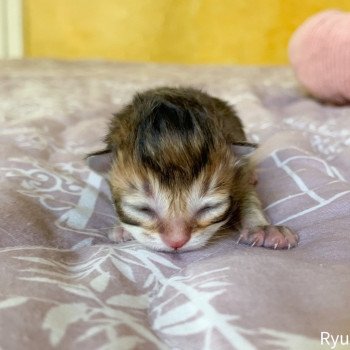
243 149
100 161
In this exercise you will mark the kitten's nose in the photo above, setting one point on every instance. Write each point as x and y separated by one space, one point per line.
176 242
176 234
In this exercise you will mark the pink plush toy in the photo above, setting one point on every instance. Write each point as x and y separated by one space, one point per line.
319 52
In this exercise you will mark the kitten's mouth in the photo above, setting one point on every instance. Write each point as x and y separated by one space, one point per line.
175 251
163 248
189 247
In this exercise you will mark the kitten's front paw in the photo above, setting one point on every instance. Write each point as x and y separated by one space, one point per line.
118 234
275 237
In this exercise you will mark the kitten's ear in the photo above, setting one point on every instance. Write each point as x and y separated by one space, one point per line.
100 161
243 149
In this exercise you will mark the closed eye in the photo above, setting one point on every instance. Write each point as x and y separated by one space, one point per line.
142 210
213 213
146 210
205 209
208 208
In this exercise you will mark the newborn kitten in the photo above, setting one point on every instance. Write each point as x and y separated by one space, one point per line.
180 172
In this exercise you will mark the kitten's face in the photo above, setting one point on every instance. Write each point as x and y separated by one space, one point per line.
178 217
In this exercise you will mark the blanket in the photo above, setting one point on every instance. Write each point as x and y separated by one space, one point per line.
65 285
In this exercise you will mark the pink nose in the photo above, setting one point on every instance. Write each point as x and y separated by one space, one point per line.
176 233
176 242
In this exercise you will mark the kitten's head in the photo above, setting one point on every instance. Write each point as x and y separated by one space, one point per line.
175 180
177 214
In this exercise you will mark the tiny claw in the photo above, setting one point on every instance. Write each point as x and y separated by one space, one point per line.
289 246
239 239
275 246
253 244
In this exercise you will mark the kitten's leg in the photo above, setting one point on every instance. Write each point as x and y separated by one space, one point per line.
118 234
257 231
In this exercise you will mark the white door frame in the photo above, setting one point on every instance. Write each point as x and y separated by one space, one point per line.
11 29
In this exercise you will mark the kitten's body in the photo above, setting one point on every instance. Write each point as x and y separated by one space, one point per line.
180 173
